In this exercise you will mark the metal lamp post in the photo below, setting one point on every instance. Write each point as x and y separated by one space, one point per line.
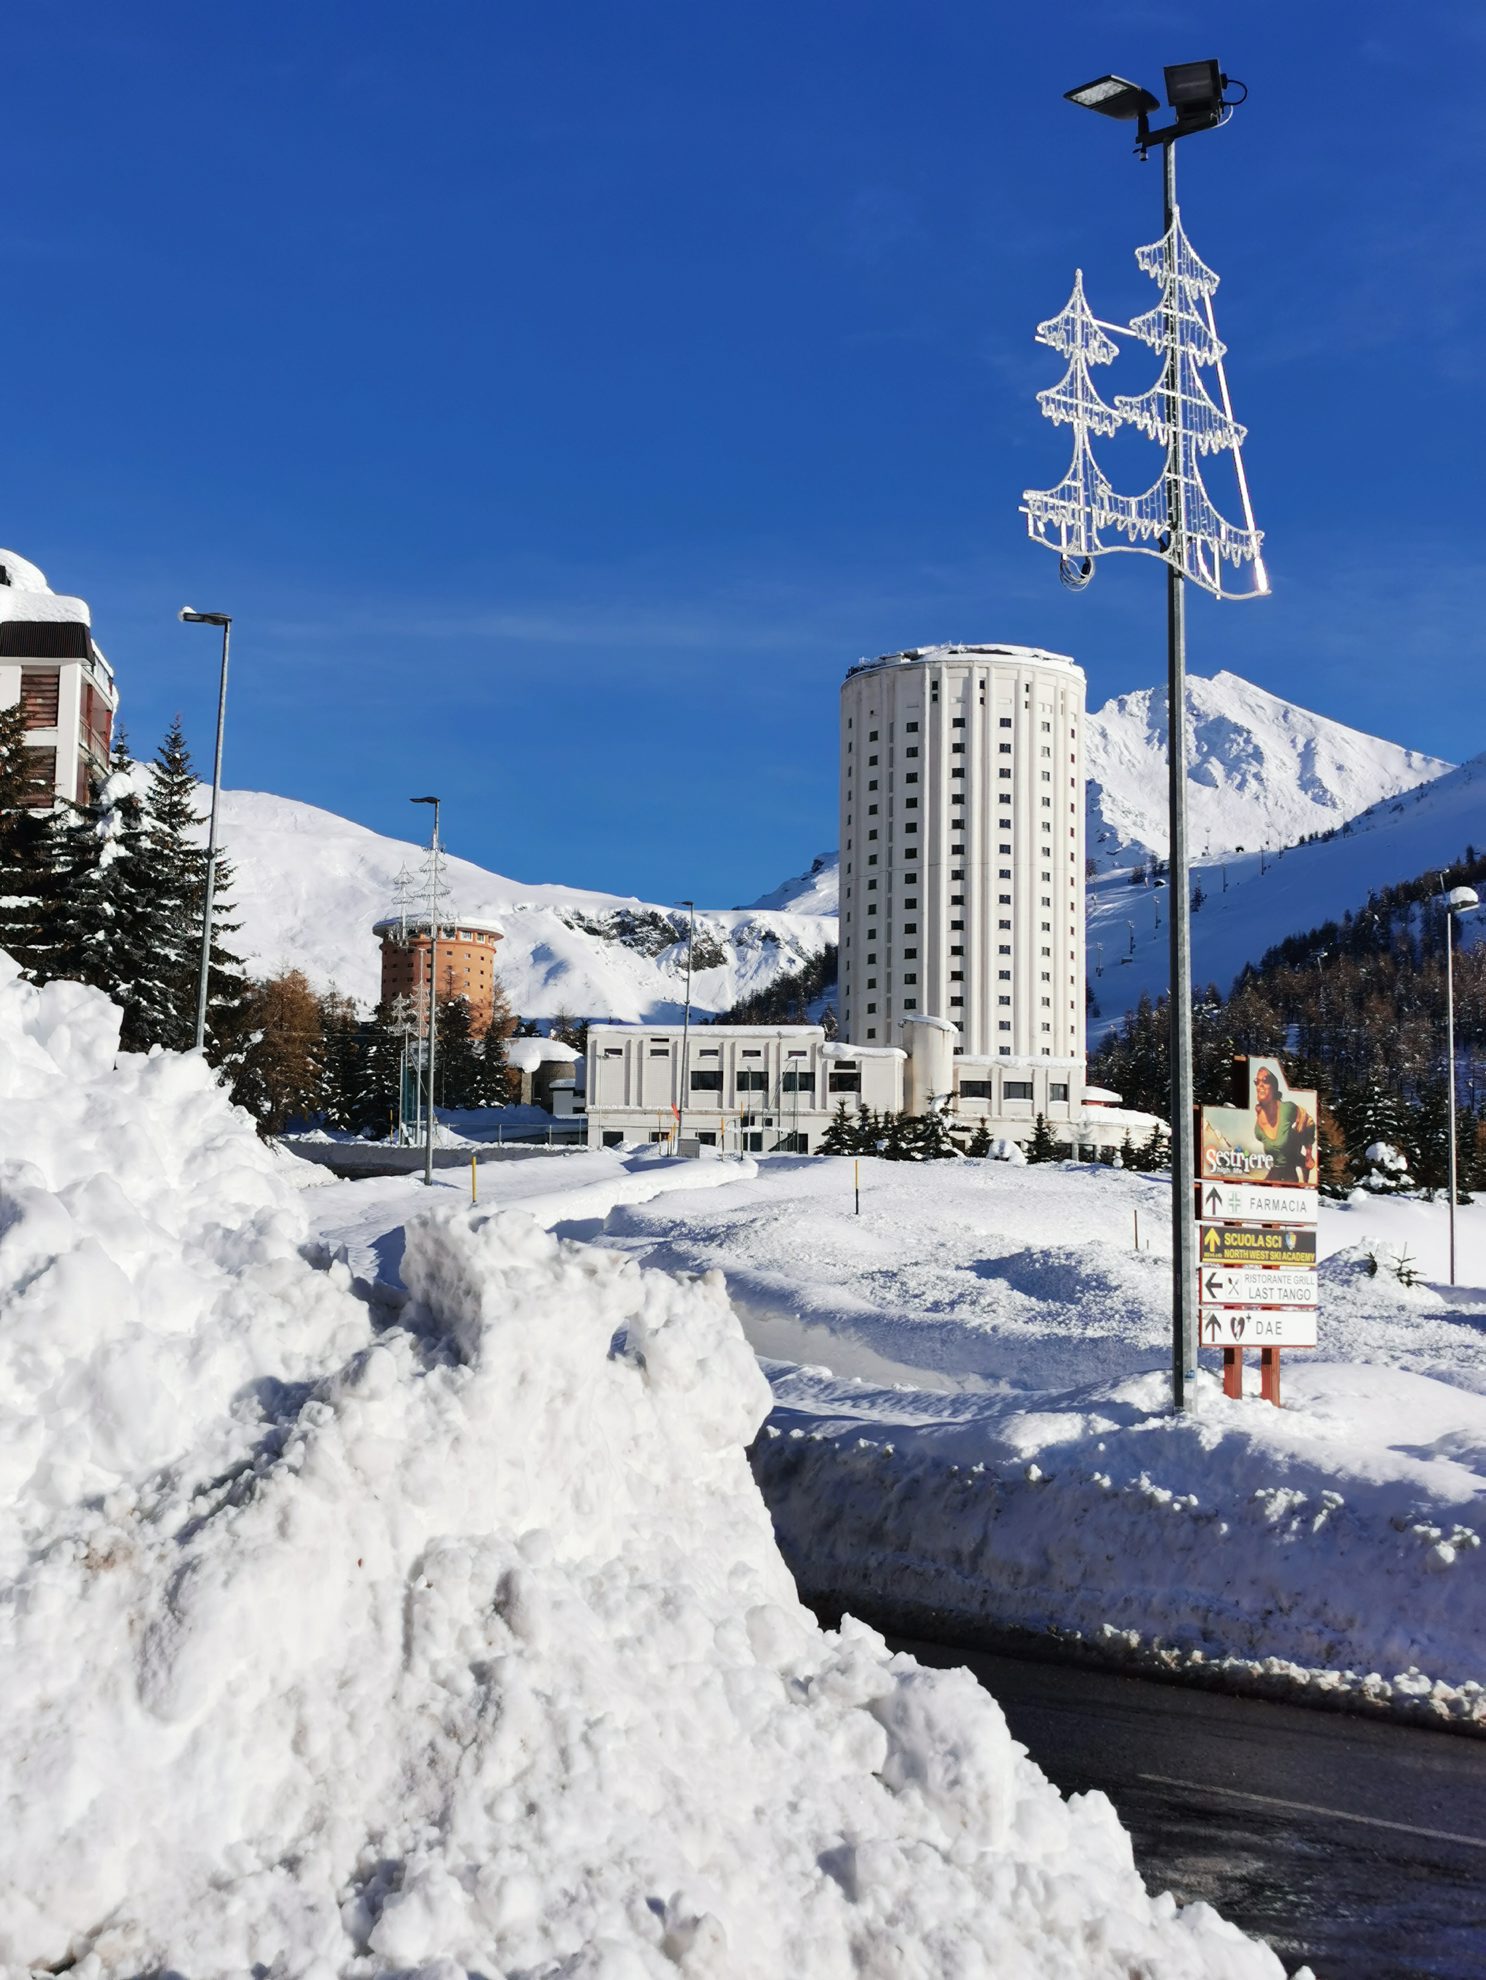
691 936
1453 902
433 984
224 620
1174 519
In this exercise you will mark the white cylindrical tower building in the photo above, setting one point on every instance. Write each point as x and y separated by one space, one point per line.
962 854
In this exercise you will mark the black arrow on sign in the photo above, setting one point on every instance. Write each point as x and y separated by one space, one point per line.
1213 1283
1212 1327
1214 1202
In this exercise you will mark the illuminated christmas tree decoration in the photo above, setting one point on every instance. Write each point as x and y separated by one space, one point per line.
1175 519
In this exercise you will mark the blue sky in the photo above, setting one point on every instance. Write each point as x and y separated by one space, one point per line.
562 397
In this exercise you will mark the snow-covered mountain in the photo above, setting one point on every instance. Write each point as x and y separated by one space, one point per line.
815 892
1262 772
308 885
1253 900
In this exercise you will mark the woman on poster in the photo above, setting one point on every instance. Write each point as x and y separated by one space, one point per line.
1284 1130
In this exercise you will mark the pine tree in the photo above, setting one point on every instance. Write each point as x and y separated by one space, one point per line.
1128 1157
345 1047
381 1068
897 1140
27 849
101 914
837 1139
458 1065
1155 1151
168 888
932 1137
1043 1147
980 1141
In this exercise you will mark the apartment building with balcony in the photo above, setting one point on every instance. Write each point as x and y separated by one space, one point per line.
51 664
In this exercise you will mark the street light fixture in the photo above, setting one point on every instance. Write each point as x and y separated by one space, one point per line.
691 937
224 620
1176 521
1454 901
433 985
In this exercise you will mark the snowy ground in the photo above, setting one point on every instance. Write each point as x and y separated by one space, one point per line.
428 1631
971 1412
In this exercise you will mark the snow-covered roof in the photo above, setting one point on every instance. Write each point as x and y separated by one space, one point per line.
526 1054
417 924
935 1023
715 1031
922 656
840 1051
27 595
1103 1096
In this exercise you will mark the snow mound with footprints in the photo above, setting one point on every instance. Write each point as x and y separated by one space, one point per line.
341 1637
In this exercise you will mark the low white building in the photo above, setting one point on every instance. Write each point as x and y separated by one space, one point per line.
761 1089
772 1089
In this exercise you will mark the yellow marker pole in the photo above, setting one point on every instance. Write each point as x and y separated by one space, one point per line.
474 1192
856 1183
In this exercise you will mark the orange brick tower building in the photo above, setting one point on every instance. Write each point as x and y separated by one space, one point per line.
466 962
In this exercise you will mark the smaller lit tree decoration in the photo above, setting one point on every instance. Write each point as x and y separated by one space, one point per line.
1175 519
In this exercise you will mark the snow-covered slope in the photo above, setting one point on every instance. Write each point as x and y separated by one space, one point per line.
308 886
815 892
1253 901
1262 772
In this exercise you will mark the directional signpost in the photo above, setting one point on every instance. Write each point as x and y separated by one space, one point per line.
1257 1202
1254 1285
1233 1328
1256 1244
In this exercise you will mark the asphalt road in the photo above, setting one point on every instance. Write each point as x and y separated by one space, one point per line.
1354 1845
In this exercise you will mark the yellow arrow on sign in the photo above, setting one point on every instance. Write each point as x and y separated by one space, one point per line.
1211 1241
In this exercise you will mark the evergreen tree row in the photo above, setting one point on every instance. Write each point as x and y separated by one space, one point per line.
111 893
788 998
312 1060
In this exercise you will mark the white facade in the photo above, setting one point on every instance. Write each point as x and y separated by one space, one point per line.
772 1089
962 860
757 1089
50 663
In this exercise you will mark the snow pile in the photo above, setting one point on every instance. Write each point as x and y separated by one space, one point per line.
972 1420
343 1638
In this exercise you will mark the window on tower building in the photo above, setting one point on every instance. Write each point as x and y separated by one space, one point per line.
1005 721
911 727
957 722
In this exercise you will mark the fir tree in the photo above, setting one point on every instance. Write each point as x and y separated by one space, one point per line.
101 918
897 1140
980 1141
1155 1151
932 1137
1043 1147
457 1066
27 848
837 1139
345 1047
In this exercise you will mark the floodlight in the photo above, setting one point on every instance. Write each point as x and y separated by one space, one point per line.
1195 90
1112 96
